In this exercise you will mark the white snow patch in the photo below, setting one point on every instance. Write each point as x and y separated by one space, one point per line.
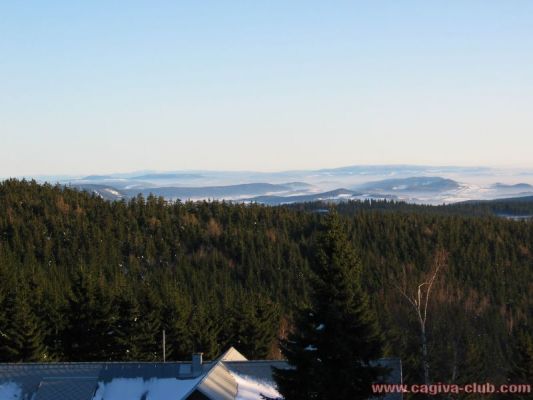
10 391
152 389
250 388
320 327
311 348
112 191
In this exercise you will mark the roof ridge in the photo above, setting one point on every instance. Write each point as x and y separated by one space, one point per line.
232 351
95 363
253 361
52 363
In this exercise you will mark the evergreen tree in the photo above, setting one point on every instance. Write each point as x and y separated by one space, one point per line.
149 337
522 372
337 337
255 324
104 317
22 338
204 331
90 335
3 314
176 312
79 328
474 367
127 328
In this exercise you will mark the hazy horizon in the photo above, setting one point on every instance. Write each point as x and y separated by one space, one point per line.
117 172
446 170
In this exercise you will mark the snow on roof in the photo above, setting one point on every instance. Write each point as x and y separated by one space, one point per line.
10 391
231 377
250 388
151 389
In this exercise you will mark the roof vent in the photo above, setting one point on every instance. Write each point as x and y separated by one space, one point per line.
197 361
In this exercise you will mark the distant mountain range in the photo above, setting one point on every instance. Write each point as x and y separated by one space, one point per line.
331 196
414 184
410 183
518 186
213 192
230 192
170 176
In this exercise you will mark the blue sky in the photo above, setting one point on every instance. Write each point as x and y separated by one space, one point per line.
112 86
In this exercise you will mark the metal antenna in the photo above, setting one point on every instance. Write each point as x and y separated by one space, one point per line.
164 347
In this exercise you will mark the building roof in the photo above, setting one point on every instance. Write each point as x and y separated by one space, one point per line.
43 380
79 381
229 377
218 384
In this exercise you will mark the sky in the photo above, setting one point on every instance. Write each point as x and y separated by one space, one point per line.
115 86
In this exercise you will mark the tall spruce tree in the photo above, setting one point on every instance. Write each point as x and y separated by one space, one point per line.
176 311
127 328
204 330
474 366
522 372
255 323
3 314
22 340
337 337
149 338
92 319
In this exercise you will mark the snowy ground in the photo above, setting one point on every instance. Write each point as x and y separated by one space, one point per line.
10 391
136 388
251 389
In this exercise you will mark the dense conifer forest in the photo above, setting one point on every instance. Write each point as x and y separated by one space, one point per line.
82 278
508 208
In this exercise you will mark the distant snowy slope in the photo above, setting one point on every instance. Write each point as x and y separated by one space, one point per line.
103 191
517 186
413 184
331 195
213 192
410 183
168 176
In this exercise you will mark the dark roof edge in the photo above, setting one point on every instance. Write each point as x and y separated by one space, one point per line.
65 363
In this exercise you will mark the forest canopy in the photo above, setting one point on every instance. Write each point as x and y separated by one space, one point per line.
82 278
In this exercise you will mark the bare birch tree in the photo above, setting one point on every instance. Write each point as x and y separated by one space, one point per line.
418 296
